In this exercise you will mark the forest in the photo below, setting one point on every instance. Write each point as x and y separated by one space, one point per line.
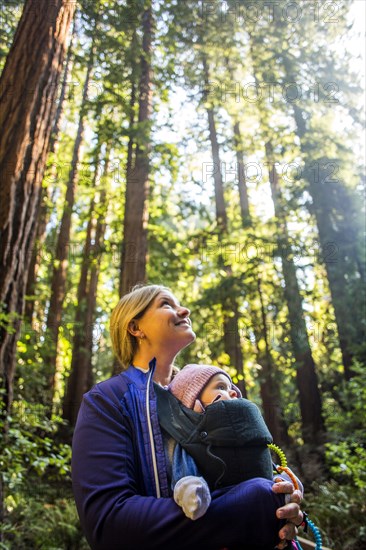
214 147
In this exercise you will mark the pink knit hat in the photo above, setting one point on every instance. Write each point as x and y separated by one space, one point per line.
189 382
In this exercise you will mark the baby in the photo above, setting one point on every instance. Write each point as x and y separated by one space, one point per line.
227 441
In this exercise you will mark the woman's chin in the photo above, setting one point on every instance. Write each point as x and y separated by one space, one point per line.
187 339
190 338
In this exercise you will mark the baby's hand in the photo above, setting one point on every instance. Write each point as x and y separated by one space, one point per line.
192 494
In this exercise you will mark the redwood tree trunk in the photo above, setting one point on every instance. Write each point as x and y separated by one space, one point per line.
81 375
269 382
46 192
242 184
339 254
123 279
77 370
221 215
35 259
240 167
336 220
58 285
232 343
307 382
56 124
231 315
268 377
134 246
28 91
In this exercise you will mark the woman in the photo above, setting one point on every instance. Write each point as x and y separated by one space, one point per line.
119 467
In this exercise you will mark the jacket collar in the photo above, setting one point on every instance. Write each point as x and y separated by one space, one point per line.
138 376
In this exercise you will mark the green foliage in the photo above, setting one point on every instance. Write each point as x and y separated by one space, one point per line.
347 461
43 521
8 320
346 451
30 447
10 14
338 510
35 470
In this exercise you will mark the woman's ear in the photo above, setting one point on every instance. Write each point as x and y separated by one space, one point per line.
133 328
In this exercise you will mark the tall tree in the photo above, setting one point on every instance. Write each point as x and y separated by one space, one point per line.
221 214
239 153
231 315
128 249
28 89
55 134
334 201
338 216
81 377
197 74
307 383
268 376
59 275
242 184
47 191
134 245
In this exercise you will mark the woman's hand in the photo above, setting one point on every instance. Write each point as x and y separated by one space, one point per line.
291 511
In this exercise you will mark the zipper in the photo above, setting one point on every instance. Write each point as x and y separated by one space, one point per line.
151 436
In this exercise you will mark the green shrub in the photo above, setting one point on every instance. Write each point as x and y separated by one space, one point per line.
339 512
39 508
44 525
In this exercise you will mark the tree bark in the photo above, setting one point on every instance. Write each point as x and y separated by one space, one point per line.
134 246
239 153
56 124
58 285
242 184
46 192
338 234
28 90
129 174
35 259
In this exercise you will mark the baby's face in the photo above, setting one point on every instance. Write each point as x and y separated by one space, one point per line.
219 387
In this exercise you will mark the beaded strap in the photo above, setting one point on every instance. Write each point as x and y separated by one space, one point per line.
306 522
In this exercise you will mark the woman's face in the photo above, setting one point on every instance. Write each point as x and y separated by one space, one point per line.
166 323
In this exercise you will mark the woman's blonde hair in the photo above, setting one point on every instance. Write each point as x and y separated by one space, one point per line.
131 306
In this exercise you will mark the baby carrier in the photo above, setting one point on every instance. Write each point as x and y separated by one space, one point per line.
228 441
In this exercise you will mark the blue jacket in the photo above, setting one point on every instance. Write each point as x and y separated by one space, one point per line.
121 488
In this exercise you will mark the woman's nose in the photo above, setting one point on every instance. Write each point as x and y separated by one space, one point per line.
233 394
184 311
